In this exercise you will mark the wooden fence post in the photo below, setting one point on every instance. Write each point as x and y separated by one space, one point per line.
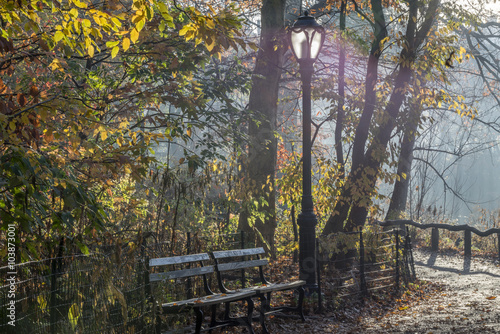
435 239
467 243
498 239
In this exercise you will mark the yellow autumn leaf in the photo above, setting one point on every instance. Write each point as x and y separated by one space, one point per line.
58 36
114 51
134 35
210 44
56 65
210 23
116 22
126 44
185 30
79 4
42 302
112 44
91 51
103 132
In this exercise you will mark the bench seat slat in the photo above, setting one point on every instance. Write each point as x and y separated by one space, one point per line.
265 288
238 252
165 261
209 300
154 277
241 265
279 286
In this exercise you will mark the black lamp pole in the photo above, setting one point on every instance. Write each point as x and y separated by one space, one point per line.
307 37
307 218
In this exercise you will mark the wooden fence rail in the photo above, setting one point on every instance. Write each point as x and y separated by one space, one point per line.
468 230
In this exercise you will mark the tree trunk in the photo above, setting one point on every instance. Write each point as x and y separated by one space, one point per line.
261 163
340 109
343 207
351 209
400 193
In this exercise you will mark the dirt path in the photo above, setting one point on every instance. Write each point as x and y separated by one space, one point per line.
466 300
469 302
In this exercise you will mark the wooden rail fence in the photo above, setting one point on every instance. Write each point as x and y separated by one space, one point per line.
468 230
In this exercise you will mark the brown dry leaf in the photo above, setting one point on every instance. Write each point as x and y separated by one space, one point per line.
34 91
491 297
21 99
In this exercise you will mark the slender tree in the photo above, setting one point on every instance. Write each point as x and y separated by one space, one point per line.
259 212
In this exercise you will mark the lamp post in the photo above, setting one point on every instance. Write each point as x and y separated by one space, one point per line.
306 38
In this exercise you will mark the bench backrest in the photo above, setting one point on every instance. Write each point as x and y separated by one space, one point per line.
184 262
238 260
180 260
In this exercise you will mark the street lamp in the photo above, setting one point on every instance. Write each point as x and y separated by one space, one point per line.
306 38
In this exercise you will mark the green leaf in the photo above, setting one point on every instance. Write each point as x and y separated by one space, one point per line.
42 302
73 315
83 248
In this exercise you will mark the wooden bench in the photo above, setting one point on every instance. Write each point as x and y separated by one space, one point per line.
241 259
191 268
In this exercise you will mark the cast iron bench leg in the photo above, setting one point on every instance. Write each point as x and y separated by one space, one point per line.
301 302
199 319
249 316
213 318
264 306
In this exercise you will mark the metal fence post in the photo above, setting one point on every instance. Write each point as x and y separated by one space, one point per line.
364 290
188 251
295 236
243 283
53 296
318 273
397 260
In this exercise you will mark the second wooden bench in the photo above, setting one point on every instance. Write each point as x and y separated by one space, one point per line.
227 263
198 295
